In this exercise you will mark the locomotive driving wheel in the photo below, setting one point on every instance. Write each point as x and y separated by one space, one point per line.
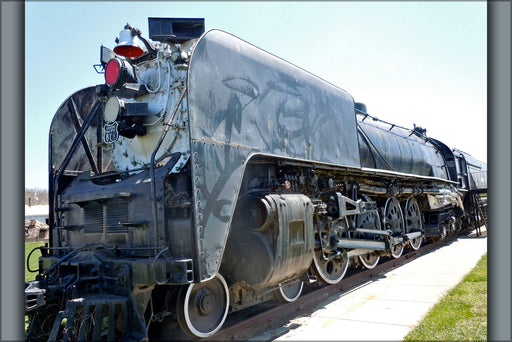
369 221
202 308
329 271
290 292
413 221
393 219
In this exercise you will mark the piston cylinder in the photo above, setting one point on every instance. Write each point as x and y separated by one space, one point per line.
272 240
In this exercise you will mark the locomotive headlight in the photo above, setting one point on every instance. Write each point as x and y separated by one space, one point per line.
113 108
119 71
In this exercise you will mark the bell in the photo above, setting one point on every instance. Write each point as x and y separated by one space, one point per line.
127 45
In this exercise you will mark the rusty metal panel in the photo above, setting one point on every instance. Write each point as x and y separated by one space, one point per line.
241 100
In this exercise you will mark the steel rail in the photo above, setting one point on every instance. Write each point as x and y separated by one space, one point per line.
248 327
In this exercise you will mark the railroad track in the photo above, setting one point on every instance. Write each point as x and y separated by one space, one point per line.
265 318
275 319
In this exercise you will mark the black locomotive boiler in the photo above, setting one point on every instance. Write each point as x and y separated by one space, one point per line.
206 175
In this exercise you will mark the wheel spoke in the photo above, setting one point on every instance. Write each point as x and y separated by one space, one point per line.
369 221
394 220
329 271
397 250
413 221
369 260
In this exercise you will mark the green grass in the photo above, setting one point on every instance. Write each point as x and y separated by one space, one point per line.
34 264
34 259
462 313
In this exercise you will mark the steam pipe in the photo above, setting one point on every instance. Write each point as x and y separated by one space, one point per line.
153 155
377 190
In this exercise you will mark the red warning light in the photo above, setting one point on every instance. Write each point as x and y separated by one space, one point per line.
112 72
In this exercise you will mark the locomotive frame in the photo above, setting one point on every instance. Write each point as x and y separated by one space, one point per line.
219 177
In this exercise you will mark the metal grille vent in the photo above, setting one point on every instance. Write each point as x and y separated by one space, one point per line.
93 217
111 213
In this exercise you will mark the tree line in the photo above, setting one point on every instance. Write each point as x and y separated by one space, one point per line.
36 196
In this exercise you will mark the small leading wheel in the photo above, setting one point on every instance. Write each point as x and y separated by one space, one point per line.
394 220
202 308
413 222
329 271
290 292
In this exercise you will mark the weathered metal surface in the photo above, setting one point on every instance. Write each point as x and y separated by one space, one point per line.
115 212
68 153
243 100
472 171
400 150
279 249
448 157
66 122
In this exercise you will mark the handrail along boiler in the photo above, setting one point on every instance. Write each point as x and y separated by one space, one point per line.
207 175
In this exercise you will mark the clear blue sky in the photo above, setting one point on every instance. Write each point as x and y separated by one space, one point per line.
420 63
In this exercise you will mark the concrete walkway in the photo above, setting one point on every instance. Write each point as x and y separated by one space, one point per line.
387 308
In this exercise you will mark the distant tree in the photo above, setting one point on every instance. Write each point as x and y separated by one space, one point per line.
37 196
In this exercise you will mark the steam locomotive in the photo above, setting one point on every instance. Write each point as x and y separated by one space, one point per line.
207 175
